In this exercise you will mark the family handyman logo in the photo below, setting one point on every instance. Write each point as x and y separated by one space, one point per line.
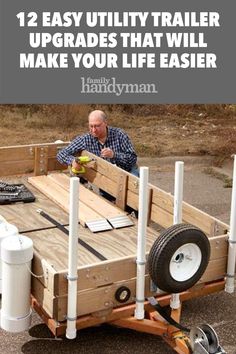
105 85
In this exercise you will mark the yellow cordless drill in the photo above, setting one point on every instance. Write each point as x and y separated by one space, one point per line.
81 160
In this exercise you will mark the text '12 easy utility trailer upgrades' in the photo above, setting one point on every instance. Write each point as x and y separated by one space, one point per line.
94 263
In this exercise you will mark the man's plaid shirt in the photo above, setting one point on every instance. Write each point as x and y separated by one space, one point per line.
117 140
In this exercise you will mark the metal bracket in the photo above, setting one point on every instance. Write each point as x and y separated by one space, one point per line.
71 278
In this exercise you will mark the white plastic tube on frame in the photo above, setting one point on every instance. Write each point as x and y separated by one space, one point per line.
229 286
72 259
16 255
178 200
6 230
141 243
178 193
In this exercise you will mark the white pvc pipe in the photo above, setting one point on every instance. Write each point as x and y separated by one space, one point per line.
178 200
178 193
16 254
141 243
229 286
6 230
72 259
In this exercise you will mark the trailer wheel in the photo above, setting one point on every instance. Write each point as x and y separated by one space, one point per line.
178 258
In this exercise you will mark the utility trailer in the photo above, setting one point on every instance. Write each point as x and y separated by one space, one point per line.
107 257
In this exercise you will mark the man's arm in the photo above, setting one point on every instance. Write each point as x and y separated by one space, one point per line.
67 155
126 156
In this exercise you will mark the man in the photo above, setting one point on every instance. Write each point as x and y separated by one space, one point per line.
112 144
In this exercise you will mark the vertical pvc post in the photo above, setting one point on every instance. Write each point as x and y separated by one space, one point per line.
16 255
229 287
178 199
178 193
141 243
72 259
6 230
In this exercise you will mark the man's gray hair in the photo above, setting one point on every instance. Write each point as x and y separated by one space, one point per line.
101 114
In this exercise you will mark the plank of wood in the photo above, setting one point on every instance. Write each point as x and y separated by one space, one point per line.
120 249
216 269
52 245
210 225
150 194
161 216
44 271
104 167
61 197
92 300
163 200
104 174
17 160
117 246
93 276
192 215
9 168
24 215
102 298
219 246
92 200
20 167
58 329
43 296
101 181
16 153
121 195
55 165
26 152
41 161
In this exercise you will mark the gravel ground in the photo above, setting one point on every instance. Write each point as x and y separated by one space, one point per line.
219 310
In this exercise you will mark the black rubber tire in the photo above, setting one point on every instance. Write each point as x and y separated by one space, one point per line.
163 250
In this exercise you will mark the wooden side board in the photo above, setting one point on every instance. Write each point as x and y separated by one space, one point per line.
114 316
103 298
17 160
107 177
90 301
27 158
120 251
117 246
93 276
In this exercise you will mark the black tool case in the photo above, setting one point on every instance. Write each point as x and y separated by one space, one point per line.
13 193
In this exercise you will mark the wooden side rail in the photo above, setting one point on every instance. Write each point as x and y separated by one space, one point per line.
108 177
111 315
41 159
34 158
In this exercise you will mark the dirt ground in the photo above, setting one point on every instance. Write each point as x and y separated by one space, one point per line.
155 130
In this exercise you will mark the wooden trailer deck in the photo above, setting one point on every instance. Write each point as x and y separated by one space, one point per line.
98 279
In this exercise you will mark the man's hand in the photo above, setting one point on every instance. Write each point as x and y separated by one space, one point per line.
107 153
76 165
